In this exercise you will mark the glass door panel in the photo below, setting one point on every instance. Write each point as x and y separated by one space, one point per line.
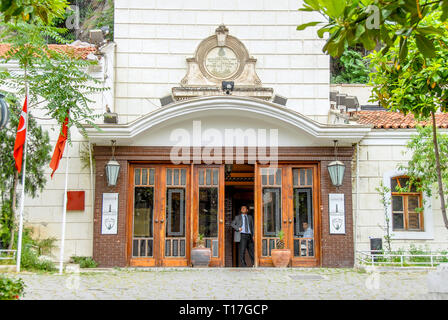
143 240
271 200
175 223
303 223
208 218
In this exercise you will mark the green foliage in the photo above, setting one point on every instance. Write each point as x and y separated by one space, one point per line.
46 70
369 22
32 10
354 69
84 262
421 166
38 157
385 201
11 289
107 19
30 254
44 246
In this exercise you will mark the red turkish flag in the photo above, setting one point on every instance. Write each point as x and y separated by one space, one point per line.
21 136
59 149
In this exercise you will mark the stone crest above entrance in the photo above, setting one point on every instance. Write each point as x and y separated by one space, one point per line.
219 58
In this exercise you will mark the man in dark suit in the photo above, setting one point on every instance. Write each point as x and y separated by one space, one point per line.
244 230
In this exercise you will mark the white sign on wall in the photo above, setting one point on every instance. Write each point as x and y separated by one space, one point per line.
336 211
109 219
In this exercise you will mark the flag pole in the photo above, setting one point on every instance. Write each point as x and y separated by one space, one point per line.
64 213
22 198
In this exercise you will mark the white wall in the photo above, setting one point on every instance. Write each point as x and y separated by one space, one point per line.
378 157
155 37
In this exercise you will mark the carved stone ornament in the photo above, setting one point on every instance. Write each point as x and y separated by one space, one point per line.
219 58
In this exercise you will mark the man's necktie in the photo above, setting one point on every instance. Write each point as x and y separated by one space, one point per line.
246 225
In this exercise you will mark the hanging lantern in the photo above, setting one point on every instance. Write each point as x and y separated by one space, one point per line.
336 169
4 112
112 169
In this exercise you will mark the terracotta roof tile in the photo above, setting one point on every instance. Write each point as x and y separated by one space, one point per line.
396 120
81 52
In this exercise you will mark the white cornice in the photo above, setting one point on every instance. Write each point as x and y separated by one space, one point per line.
126 132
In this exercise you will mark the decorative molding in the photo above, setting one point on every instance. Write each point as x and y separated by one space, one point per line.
124 134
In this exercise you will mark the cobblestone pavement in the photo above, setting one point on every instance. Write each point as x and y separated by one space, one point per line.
263 283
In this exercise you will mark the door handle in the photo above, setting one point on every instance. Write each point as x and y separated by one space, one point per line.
290 221
156 221
161 221
284 221
220 221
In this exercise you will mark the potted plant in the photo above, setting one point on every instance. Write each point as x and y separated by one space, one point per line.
280 255
200 255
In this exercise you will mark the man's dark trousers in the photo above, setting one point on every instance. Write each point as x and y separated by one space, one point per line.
246 242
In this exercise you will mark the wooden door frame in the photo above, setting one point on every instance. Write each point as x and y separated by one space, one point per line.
158 258
220 260
288 213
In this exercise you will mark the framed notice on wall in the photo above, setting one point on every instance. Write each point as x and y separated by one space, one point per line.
109 217
336 212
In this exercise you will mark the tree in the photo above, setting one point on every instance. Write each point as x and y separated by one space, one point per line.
31 10
39 149
58 84
412 72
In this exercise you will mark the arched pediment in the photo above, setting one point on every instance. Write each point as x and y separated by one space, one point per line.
226 113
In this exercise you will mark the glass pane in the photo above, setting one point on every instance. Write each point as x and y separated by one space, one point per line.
303 213
271 245
182 248
413 203
264 249
176 177
169 177
143 212
215 248
144 177
264 179
309 177
404 182
151 176
413 188
175 213
271 212
208 177
175 248
278 177
183 177
149 253
142 248
393 184
414 221
137 177
397 221
302 177
208 212
135 247
215 177
271 178
167 248
201 177
296 248
295 174
397 203
208 243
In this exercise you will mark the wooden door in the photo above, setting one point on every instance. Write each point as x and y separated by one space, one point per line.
271 217
287 197
174 216
159 215
208 210
304 231
143 239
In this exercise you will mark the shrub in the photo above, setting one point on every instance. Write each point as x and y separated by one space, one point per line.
84 262
30 254
11 289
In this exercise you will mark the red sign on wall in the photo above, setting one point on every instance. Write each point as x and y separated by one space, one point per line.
76 200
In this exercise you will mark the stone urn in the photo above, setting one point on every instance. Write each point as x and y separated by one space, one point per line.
200 257
281 257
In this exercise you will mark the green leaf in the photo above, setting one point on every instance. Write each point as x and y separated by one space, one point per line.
334 8
425 46
309 24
